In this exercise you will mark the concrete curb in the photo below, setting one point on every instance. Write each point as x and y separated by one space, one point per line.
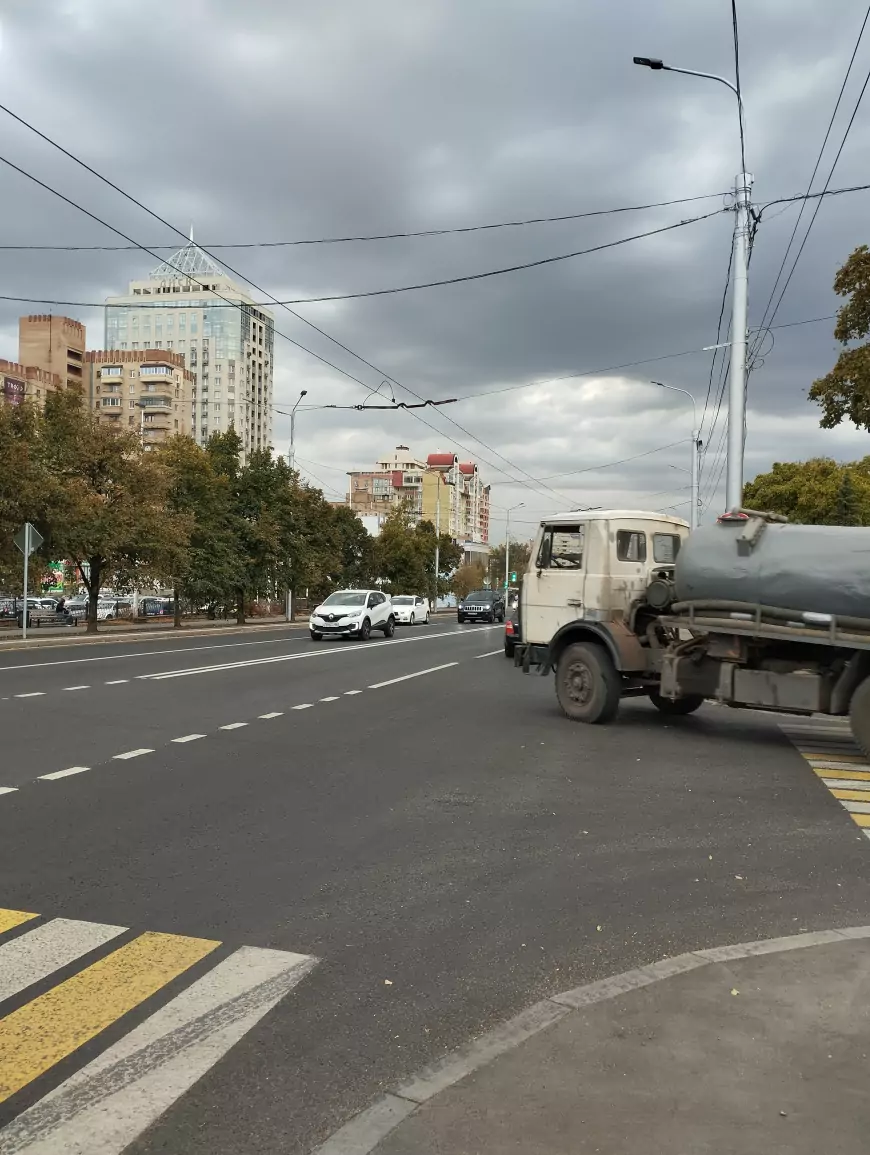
361 1134
13 645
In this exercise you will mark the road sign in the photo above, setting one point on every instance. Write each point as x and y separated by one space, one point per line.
28 539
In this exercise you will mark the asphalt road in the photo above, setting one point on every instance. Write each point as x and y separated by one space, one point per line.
418 839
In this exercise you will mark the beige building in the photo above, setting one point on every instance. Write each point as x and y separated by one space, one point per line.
190 307
26 383
148 390
54 345
397 479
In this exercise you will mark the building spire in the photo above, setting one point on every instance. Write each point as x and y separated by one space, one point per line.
191 231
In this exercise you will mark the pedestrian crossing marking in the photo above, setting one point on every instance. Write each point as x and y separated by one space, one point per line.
837 760
101 1108
9 919
52 1026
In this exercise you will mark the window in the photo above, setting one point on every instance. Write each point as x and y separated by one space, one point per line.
630 545
132 373
666 546
132 404
123 344
168 344
562 547
131 420
132 387
135 344
146 344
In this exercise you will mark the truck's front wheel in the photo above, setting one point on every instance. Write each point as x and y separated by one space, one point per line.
676 707
587 684
859 716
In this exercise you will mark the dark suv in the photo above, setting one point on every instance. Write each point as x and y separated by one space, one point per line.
482 606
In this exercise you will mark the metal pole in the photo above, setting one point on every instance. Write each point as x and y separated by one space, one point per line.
507 552
437 535
293 438
693 517
737 381
26 567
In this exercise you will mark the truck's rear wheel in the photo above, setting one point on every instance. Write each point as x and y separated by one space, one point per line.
587 684
859 716
676 707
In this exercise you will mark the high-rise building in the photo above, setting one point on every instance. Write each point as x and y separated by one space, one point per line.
147 390
54 345
190 306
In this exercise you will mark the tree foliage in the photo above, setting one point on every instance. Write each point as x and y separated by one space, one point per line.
520 552
844 393
467 578
815 492
405 555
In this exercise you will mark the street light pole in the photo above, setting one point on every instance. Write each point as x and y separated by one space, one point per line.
507 545
696 449
739 301
293 430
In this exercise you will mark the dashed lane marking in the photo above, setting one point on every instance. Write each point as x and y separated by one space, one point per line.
63 773
32 694
273 714
331 698
416 674
304 706
8 789
350 693
490 653
69 689
233 726
117 682
837 760
133 753
103 1106
188 738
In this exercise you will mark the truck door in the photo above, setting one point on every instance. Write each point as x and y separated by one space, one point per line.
554 587
629 566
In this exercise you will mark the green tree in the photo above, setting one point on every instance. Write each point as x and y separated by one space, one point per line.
815 492
844 393
24 494
520 553
467 578
449 558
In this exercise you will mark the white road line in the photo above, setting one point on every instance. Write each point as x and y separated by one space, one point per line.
856 807
490 654
418 674
117 682
63 773
350 693
188 738
32 694
847 784
8 789
322 651
100 1109
33 956
133 753
331 698
233 726
68 688
274 714
833 764
304 706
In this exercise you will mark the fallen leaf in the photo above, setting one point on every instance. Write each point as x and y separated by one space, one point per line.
388 982
734 991
598 928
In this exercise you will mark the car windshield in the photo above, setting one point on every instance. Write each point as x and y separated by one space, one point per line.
403 601
480 596
346 598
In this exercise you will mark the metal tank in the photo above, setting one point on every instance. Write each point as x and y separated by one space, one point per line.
823 569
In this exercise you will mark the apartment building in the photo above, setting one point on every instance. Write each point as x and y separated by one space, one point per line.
190 307
56 345
397 479
149 390
26 383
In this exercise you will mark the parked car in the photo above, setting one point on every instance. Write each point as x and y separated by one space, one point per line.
353 614
511 635
110 608
410 610
482 606
77 608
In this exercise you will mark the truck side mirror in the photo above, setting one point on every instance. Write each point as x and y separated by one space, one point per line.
544 555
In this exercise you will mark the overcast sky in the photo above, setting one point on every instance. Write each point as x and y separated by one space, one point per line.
283 120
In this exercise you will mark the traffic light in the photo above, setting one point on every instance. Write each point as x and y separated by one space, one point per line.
513 575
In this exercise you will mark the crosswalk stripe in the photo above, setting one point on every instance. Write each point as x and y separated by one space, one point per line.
42 1032
823 771
101 1109
837 760
9 919
47 948
851 795
861 819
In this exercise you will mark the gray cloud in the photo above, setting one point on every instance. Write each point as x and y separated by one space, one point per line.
278 120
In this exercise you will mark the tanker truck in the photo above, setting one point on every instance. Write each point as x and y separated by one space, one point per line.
752 612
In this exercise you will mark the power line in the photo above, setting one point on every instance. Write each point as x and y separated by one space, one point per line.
817 196
718 336
513 224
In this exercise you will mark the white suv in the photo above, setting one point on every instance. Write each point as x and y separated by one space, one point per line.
353 613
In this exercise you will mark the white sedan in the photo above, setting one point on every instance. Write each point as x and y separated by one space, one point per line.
411 611
353 614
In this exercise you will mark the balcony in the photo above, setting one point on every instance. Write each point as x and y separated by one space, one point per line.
156 404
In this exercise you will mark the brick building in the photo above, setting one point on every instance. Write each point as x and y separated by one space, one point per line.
146 389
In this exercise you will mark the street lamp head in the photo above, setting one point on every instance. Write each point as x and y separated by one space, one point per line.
304 393
649 62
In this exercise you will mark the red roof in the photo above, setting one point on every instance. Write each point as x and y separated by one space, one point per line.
440 460
466 468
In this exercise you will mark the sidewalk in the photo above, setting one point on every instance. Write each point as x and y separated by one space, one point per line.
158 627
769 1052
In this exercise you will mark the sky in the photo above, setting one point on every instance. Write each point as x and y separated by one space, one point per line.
280 120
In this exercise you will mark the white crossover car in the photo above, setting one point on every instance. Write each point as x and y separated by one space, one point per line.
353 614
411 611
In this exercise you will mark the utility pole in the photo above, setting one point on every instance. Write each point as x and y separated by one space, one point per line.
437 535
737 380
292 462
696 450
507 547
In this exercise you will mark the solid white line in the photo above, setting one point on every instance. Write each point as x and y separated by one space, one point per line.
63 773
134 753
350 693
188 738
67 688
418 674
8 789
33 694
118 682
100 1109
233 726
274 714
304 706
332 698
352 648
47 948
490 654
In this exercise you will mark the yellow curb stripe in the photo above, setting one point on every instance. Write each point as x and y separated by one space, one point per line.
833 757
52 1026
856 775
852 795
860 819
13 918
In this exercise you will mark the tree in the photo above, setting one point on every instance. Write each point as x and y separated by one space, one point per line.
815 492
106 509
449 557
845 391
23 488
401 553
520 552
467 578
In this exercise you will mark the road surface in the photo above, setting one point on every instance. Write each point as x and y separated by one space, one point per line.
247 883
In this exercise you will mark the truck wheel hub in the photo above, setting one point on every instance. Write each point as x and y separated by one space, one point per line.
579 683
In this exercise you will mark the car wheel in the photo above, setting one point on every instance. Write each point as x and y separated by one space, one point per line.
315 636
413 620
427 618
460 619
390 627
509 649
492 619
365 630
